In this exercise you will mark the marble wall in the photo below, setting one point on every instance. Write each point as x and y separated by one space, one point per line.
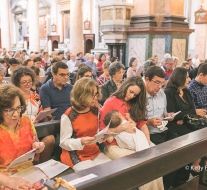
137 49
200 43
179 49
158 47
142 7
174 7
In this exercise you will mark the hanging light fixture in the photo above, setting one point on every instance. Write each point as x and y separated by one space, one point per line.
22 3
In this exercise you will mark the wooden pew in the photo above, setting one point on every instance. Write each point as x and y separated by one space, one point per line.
139 168
47 128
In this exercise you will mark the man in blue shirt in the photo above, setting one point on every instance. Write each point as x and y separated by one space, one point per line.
198 89
92 65
56 93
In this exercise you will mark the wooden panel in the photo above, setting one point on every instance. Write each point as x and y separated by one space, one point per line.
47 128
139 168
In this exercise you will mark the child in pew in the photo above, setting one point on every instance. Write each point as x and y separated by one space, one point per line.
134 141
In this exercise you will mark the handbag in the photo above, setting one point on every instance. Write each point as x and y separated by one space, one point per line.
194 122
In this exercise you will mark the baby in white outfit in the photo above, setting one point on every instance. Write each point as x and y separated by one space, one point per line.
134 141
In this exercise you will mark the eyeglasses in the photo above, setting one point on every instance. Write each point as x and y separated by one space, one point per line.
88 76
64 75
24 83
12 110
95 95
158 82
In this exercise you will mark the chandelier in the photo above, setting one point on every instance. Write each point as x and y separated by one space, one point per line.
22 3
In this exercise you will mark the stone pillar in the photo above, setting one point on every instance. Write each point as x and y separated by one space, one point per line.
34 36
5 25
96 23
76 26
201 35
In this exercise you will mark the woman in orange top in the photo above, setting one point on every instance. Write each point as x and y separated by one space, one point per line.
17 134
24 77
79 124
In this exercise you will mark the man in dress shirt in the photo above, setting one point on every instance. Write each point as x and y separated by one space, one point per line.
156 111
72 65
92 65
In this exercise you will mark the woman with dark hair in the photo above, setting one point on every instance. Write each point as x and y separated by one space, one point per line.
116 71
179 99
17 135
37 84
101 60
129 98
84 71
79 150
13 64
133 69
114 59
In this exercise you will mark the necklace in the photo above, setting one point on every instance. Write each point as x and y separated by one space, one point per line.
29 101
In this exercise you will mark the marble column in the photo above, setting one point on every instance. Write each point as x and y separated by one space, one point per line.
96 23
34 36
5 25
76 26
201 35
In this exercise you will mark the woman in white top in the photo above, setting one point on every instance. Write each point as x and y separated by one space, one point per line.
133 69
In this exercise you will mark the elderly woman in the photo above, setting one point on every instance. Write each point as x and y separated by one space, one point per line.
116 71
79 150
17 134
105 76
24 78
133 69
2 74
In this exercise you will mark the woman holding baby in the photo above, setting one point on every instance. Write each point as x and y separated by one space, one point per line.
129 100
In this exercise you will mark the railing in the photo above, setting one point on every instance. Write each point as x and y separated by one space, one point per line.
142 167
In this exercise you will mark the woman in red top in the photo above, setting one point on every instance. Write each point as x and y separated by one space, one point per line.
129 98
79 125
101 60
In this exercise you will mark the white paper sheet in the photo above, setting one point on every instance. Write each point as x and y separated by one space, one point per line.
43 114
172 115
99 137
82 179
52 168
27 157
31 174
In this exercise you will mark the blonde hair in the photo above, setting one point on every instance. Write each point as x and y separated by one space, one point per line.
83 93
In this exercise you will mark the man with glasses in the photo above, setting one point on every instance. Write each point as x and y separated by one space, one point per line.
156 111
56 92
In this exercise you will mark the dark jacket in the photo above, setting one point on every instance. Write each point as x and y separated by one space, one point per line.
107 89
174 104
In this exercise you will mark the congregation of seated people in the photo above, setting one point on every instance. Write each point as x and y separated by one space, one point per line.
88 92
